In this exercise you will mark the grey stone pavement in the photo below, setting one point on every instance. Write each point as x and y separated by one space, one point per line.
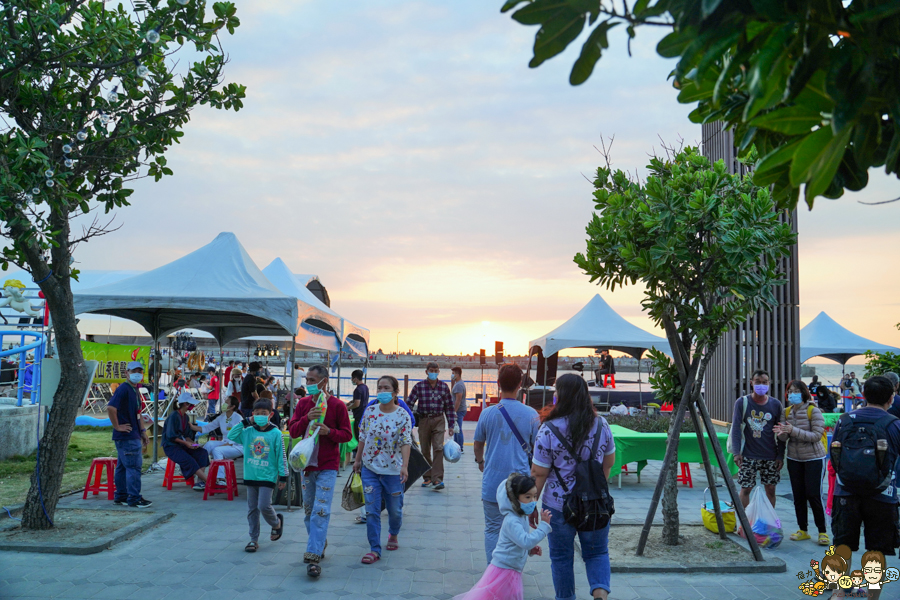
199 553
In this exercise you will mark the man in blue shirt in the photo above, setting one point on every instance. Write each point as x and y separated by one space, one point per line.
130 438
876 513
504 454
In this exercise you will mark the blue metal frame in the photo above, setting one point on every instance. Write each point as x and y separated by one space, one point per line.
22 350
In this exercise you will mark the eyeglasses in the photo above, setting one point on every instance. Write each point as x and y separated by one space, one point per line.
872 570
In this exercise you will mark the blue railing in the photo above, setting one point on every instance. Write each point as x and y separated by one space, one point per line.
22 350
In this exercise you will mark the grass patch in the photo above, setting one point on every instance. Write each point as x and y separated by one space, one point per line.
86 444
714 545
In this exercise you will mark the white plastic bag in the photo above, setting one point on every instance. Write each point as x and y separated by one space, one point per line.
302 452
451 451
619 409
763 520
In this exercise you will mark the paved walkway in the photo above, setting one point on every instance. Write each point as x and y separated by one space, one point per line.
199 553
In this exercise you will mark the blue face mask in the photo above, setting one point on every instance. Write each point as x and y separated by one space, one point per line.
384 397
528 507
795 397
261 420
432 376
312 389
761 389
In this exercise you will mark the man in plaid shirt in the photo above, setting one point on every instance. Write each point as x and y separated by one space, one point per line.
431 401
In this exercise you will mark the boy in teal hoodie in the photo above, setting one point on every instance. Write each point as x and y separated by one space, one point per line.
265 466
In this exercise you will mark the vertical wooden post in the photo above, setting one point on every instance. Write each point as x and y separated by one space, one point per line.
405 388
710 474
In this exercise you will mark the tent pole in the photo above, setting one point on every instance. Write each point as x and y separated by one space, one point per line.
156 394
544 397
287 498
640 384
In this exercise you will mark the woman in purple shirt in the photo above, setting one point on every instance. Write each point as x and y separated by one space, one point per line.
554 470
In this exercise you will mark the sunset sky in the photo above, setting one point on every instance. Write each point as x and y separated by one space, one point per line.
405 153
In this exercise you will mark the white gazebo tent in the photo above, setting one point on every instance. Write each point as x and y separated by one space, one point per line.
825 337
217 289
597 325
351 336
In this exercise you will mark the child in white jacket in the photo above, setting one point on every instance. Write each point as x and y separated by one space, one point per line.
517 497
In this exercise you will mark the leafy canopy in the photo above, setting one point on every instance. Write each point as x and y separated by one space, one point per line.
91 97
704 243
813 84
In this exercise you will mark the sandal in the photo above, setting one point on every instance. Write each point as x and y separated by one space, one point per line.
370 557
392 543
313 570
276 531
251 547
360 520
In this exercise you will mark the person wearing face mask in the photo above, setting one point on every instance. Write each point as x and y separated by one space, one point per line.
458 389
432 402
382 460
130 438
803 429
329 414
234 384
265 466
753 442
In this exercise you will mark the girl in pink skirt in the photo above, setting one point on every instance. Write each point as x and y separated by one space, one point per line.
517 497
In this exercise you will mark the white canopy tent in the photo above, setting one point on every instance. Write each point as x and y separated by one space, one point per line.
825 337
597 325
217 289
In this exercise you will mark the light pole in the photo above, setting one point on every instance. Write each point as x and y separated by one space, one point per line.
398 343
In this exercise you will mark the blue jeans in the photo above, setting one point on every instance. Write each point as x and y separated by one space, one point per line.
128 471
318 490
493 520
460 415
594 552
377 488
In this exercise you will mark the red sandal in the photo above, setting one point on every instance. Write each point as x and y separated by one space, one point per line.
370 557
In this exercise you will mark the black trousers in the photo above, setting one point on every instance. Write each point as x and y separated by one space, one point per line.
806 486
878 518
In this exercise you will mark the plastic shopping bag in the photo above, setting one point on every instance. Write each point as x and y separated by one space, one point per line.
764 521
303 451
451 451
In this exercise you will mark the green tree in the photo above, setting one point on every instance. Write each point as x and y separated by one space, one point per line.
879 363
705 245
811 83
91 97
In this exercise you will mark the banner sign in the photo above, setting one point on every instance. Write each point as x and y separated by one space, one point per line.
114 359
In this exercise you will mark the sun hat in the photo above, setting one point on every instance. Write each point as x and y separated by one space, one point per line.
187 398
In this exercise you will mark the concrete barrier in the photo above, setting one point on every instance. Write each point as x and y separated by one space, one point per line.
18 428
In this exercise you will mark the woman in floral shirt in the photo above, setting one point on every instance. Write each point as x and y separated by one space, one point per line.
382 459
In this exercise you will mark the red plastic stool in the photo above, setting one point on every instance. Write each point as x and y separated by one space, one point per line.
170 477
606 378
97 471
212 487
685 476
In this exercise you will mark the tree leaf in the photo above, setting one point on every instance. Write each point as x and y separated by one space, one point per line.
708 7
590 53
540 11
791 120
806 154
555 35
826 164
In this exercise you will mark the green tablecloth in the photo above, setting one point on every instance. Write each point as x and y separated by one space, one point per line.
632 446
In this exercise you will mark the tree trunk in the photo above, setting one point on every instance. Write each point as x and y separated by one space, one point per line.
40 504
670 500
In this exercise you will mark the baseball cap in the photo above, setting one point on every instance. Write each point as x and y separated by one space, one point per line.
186 398
135 365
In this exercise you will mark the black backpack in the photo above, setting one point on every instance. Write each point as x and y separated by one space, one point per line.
588 506
863 468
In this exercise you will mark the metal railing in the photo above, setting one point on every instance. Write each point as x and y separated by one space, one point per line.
22 350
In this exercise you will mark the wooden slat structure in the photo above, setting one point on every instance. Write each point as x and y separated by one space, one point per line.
769 340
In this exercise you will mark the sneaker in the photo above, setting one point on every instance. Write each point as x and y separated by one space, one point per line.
120 502
823 539
142 503
426 483
800 535
199 486
439 486
221 482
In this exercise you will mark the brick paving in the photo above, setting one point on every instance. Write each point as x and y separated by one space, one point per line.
199 553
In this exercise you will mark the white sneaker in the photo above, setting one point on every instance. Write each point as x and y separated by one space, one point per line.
221 482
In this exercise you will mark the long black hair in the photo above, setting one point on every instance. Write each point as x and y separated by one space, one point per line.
573 401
